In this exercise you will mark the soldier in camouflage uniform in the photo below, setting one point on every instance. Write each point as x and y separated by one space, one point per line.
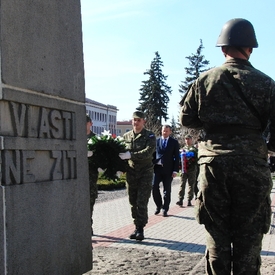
141 144
93 173
189 173
232 104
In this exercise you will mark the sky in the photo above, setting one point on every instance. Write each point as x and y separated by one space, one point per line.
120 38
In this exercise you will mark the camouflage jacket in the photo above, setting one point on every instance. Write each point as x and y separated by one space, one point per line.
213 104
141 146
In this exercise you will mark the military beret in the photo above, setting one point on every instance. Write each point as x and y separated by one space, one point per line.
188 136
138 114
88 119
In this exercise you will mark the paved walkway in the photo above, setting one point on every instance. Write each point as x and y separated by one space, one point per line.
172 245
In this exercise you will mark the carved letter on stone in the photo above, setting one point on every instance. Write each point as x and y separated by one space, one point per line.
56 124
67 124
12 167
44 131
56 173
27 176
71 155
18 116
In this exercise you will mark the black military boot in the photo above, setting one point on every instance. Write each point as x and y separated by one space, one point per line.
133 235
179 202
140 233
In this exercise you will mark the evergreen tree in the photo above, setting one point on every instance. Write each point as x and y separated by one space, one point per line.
175 127
154 97
197 64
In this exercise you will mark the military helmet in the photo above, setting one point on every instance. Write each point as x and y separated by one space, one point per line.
237 32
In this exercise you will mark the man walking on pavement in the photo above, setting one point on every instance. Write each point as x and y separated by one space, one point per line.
165 169
141 145
189 170
233 104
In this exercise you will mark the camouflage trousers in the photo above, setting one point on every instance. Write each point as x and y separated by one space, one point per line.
234 205
191 178
93 176
139 187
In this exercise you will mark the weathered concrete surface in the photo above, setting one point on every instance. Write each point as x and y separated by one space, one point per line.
44 194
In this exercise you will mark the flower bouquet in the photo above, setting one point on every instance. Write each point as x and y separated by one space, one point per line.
187 159
105 154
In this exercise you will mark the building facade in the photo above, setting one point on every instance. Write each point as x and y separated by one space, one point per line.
104 117
123 127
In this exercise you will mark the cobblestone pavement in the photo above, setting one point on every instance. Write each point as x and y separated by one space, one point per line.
172 245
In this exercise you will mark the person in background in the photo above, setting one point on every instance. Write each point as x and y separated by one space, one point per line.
189 171
141 144
165 169
233 104
93 173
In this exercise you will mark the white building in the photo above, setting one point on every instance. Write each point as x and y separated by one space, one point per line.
103 116
123 127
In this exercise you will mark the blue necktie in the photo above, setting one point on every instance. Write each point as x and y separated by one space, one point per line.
164 143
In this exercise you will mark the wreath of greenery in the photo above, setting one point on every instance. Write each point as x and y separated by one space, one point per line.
106 151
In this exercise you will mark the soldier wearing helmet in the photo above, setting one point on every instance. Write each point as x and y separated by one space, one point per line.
238 35
233 103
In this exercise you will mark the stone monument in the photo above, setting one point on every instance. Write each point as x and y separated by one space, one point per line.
44 194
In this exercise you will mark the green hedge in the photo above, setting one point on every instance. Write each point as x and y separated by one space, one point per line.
104 184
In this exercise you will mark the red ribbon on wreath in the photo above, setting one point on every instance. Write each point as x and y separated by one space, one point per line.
184 161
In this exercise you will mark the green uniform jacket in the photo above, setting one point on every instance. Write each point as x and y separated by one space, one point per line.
141 146
213 104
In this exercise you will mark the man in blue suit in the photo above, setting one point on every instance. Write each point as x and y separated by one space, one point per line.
166 168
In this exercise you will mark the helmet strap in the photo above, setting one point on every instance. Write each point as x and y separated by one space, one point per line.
243 52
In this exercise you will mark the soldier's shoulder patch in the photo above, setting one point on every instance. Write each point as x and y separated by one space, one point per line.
151 135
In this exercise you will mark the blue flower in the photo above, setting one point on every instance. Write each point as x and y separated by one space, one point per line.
190 154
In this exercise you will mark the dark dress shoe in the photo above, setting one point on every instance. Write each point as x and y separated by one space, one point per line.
157 211
164 214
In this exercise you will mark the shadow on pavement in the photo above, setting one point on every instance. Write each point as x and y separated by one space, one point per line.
182 217
152 242
175 245
267 253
